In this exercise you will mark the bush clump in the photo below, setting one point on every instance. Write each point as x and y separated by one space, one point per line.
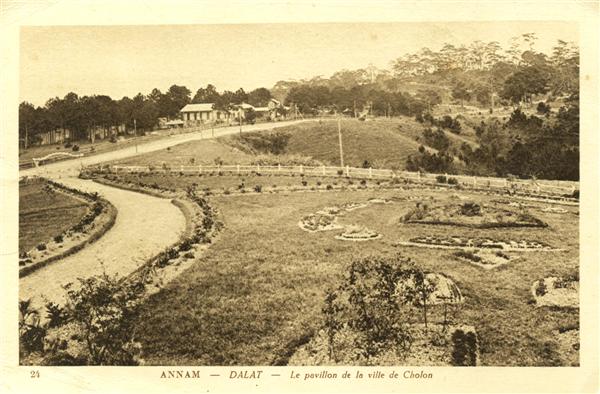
464 351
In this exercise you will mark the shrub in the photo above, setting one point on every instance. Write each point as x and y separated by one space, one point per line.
470 209
41 246
172 253
541 289
452 181
258 188
304 183
543 108
189 255
31 333
441 179
467 255
58 238
464 351
185 245
113 138
75 148
105 309
575 194
68 145
363 182
329 187
318 183
340 172
372 304
57 315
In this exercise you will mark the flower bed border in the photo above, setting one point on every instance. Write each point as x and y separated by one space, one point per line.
393 183
108 209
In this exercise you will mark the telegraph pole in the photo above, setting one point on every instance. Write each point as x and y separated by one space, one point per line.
135 134
240 119
340 138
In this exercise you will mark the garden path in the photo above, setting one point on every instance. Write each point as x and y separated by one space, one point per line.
144 226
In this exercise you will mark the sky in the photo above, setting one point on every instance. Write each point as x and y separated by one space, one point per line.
125 60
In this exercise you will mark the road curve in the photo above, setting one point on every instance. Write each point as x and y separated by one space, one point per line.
144 226
71 167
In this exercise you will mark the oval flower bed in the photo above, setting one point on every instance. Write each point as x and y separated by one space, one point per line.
470 214
358 233
452 242
557 291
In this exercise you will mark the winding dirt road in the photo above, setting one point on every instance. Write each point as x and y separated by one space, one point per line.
144 226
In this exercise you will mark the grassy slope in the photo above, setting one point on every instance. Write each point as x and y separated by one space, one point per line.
43 214
258 291
379 141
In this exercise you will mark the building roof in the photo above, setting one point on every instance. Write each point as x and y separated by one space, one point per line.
204 107
244 106
174 122
261 109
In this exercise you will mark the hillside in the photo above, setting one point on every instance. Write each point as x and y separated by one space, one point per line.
379 142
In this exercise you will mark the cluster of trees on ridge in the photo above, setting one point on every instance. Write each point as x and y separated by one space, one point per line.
544 145
482 73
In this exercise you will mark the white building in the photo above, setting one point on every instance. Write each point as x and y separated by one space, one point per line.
194 114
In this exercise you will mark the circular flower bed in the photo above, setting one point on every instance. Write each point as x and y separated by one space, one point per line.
319 222
358 233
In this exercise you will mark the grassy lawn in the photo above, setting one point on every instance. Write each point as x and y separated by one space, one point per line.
214 182
44 213
190 153
257 293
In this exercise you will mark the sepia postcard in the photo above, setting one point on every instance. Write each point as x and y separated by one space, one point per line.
272 196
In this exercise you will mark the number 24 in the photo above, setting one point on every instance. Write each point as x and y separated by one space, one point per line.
34 374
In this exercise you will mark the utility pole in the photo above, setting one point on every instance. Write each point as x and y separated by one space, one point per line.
240 119
26 135
135 134
491 95
340 137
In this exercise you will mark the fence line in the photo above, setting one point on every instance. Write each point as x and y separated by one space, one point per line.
537 186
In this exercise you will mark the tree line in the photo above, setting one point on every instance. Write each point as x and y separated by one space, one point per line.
483 73
84 116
